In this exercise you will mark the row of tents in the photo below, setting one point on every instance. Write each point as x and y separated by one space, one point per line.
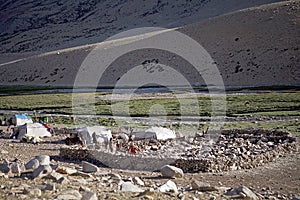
24 126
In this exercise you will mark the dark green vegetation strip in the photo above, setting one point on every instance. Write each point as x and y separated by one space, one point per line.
263 104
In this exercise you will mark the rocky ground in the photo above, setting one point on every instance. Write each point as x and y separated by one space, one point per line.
73 179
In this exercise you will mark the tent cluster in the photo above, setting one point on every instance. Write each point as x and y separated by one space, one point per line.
102 138
26 130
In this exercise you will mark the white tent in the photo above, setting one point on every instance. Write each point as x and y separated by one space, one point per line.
18 119
31 129
158 133
94 135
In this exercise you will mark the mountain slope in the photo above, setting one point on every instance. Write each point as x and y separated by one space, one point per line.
254 47
27 26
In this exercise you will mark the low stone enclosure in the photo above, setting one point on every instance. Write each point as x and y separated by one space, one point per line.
232 150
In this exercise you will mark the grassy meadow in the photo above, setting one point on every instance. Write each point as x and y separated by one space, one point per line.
260 104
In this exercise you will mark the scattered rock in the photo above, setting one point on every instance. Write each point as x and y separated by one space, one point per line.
3 175
169 186
130 187
36 192
138 181
88 195
32 164
15 168
69 195
83 188
171 171
4 152
296 197
4 168
41 171
203 187
115 177
82 174
56 176
50 187
43 159
181 196
242 192
63 180
66 170
88 167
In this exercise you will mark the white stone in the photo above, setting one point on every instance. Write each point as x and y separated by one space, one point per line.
56 176
169 186
202 187
171 172
129 187
43 159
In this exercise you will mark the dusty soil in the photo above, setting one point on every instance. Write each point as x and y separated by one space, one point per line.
280 179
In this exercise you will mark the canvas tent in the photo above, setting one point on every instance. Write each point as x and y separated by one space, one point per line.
94 135
18 119
159 133
31 129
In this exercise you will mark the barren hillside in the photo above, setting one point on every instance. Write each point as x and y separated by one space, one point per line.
258 46
50 25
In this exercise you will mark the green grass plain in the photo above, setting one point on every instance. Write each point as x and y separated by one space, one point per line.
261 104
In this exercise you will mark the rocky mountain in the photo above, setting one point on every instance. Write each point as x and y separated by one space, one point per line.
257 46
27 26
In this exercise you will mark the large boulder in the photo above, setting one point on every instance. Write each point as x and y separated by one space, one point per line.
171 171
169 186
